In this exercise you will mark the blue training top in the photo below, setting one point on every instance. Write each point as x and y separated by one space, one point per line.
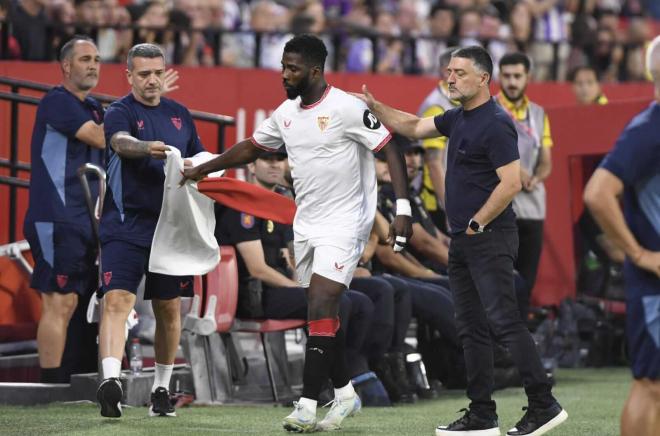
635 160
56 194
480 141
135 186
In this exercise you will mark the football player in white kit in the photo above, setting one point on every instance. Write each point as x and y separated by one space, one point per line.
330 138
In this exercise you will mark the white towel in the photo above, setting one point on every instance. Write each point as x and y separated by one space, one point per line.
184 242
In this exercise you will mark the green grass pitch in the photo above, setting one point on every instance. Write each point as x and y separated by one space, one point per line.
593 399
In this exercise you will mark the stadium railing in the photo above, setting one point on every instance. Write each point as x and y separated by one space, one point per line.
15 166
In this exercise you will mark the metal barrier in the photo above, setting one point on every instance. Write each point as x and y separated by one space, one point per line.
14 182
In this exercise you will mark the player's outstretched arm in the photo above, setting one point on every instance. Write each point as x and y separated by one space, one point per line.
401 227
240 154
401 122
130 147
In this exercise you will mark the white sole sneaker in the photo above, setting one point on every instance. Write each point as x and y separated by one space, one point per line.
554 422
487 432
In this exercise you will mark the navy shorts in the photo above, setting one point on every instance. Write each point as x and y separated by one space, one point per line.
643 333
123 266
64 257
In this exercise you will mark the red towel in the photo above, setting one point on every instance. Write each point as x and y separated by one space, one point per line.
249 198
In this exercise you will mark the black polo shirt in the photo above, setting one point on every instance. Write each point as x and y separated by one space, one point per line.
233 227
480 141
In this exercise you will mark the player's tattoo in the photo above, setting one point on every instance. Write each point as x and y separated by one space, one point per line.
127 146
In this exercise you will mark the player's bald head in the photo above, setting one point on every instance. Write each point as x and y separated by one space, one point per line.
310 48
653 60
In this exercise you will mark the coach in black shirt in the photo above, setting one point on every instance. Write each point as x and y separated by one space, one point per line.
483 176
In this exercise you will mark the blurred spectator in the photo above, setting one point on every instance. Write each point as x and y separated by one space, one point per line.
494 35
29 22
63 16
114 43
310 18
550 48
583 30
586 86
607 55
265 16
521 22
14 51
637 37
408 26
469 25
360 54
154 19
441 25
89 15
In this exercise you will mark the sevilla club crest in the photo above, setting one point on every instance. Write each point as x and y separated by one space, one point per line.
61 280
323 122
177 122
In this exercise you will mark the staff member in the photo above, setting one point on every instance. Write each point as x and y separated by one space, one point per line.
483 176
632 170
534 144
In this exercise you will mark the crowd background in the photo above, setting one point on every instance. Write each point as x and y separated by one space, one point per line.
387 37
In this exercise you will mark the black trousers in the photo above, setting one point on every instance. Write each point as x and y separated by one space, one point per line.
481 280
432 304
530 244
356 312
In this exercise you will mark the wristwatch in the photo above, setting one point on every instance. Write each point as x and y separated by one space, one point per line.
475 226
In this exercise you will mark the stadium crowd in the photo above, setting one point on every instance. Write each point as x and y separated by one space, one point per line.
393 36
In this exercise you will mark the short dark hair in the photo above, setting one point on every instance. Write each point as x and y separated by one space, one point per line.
67 49
143 51
441 6
572 75
479 56
516 58
310 48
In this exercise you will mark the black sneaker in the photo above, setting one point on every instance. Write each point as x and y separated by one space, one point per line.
160 403
109 396
536 422
397 363
383 370
469 424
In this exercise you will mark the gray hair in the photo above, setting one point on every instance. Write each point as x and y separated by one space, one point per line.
143 51
653 60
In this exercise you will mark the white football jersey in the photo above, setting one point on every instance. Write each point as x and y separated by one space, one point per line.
330 146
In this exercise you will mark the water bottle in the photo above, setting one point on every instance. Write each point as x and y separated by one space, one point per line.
135 355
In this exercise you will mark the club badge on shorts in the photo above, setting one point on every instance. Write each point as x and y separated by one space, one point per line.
323 122
247 221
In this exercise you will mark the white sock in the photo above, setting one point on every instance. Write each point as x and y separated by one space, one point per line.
308 404
111 367
162 378
345 392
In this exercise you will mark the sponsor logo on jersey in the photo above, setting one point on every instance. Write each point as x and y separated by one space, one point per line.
140 125
338 267
370 120
287 124
107 276
177 122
